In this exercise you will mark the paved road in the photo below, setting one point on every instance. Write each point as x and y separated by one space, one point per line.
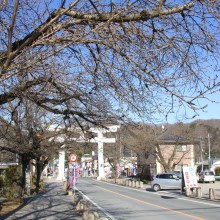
204 188
124 203
55 205
51 205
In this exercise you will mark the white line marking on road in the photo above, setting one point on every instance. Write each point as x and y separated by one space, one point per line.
189 199
204 203
100 208
165 193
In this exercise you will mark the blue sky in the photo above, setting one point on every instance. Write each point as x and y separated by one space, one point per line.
212 111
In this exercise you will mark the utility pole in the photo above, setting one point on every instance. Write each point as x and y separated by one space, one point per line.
201 152
209 159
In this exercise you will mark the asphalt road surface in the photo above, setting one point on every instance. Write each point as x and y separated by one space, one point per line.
124 203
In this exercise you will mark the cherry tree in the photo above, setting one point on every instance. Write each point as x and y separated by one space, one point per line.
109 60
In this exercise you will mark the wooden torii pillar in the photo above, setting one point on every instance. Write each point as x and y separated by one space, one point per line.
100 140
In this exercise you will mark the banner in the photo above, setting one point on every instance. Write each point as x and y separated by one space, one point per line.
74 174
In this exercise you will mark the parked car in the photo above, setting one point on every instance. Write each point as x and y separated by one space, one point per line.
166 181
50 173
207 176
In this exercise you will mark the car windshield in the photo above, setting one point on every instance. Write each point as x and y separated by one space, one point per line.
210 173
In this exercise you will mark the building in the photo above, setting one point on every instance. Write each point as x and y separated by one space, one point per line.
171 152
7 159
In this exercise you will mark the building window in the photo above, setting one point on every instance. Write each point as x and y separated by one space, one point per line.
181 148
128 152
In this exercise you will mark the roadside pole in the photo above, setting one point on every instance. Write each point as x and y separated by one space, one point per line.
74 177
73 158
182 180
209 158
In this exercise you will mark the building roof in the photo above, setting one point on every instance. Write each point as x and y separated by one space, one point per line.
168 137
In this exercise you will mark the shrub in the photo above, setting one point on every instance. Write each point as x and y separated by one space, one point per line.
11 182
42 185
1 185
217 171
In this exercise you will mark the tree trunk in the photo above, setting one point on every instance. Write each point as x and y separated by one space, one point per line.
24 164
38 174
40 165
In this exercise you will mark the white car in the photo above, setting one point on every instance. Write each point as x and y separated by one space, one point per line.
166 181
207 176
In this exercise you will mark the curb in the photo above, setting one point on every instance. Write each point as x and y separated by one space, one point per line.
84 207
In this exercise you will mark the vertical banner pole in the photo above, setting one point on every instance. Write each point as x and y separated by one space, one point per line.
74 177
68 177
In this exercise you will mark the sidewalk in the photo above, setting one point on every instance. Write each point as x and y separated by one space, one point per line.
205 189
53 204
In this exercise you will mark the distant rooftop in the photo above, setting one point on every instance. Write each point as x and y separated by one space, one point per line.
170 137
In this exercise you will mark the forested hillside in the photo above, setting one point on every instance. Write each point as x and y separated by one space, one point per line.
209 132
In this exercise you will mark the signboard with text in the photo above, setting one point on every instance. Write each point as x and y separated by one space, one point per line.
189 175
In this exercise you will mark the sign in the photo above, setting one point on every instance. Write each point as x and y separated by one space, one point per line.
190 177
73 157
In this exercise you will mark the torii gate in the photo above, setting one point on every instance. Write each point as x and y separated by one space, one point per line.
100 140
